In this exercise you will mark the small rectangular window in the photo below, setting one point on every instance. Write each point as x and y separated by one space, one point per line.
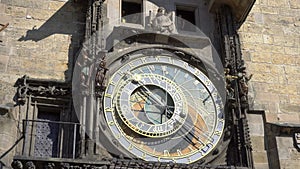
131 11
186 13
47 134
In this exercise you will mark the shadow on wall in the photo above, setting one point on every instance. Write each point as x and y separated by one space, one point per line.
68 20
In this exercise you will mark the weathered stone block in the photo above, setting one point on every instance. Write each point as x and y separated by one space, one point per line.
252 28
289 117
269 10
284 40
2 8
261 166
292 51
260 157
283 144
3 63
283 59
271 117
293 79
290 108
268 39
294 99
27 3
255 38
264 77
19 12
295 4
258 143
55 5
40 14
256 129
278 4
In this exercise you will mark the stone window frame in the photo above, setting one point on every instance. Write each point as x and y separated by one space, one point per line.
142 24
196 14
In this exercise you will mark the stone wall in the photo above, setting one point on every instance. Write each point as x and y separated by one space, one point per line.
41 41
271 47
42 37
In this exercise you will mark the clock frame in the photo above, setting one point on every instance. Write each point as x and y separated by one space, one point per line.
162 108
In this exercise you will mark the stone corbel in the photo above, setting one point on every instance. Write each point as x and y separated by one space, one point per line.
240 8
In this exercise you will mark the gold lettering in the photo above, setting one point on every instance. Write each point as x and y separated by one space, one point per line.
107 95
130 147
218 133
109 109
143 156
118 136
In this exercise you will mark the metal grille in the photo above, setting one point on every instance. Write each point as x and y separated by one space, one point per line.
45 138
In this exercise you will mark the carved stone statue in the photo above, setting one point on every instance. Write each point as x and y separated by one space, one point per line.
162 21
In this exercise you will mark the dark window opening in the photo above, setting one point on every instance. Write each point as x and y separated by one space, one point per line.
131 11
185 14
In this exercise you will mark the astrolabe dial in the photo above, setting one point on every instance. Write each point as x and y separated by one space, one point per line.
151 104
161 108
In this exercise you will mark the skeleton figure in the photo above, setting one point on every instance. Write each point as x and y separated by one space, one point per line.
162 21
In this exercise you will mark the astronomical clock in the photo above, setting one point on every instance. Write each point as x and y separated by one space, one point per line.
161 108
156 84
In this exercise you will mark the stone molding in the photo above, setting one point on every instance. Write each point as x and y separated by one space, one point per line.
240 8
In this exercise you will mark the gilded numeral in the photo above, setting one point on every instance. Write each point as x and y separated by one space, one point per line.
143 60
152 67
107 95
185 64
221 121
112 83
191 148
166 153
189 159
207 83
218 133
130 147
154 151
179 152
111 123
130 65
143 156
197 72
109 109
118 136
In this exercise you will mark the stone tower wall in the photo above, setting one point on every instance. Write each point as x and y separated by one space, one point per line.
41 42
43 37
270 40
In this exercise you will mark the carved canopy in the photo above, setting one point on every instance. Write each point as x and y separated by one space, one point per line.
240 8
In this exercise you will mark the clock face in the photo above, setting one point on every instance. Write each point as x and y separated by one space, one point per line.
160 108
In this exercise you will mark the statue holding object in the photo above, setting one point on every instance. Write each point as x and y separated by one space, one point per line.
162 21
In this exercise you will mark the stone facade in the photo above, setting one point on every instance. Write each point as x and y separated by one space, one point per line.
43 37
41 41
271 47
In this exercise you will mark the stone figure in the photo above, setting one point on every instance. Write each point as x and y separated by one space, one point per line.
162 21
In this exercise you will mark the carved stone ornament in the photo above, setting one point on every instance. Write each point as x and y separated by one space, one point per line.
241 8
30 165
297 141
16 164
26 87
162 21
